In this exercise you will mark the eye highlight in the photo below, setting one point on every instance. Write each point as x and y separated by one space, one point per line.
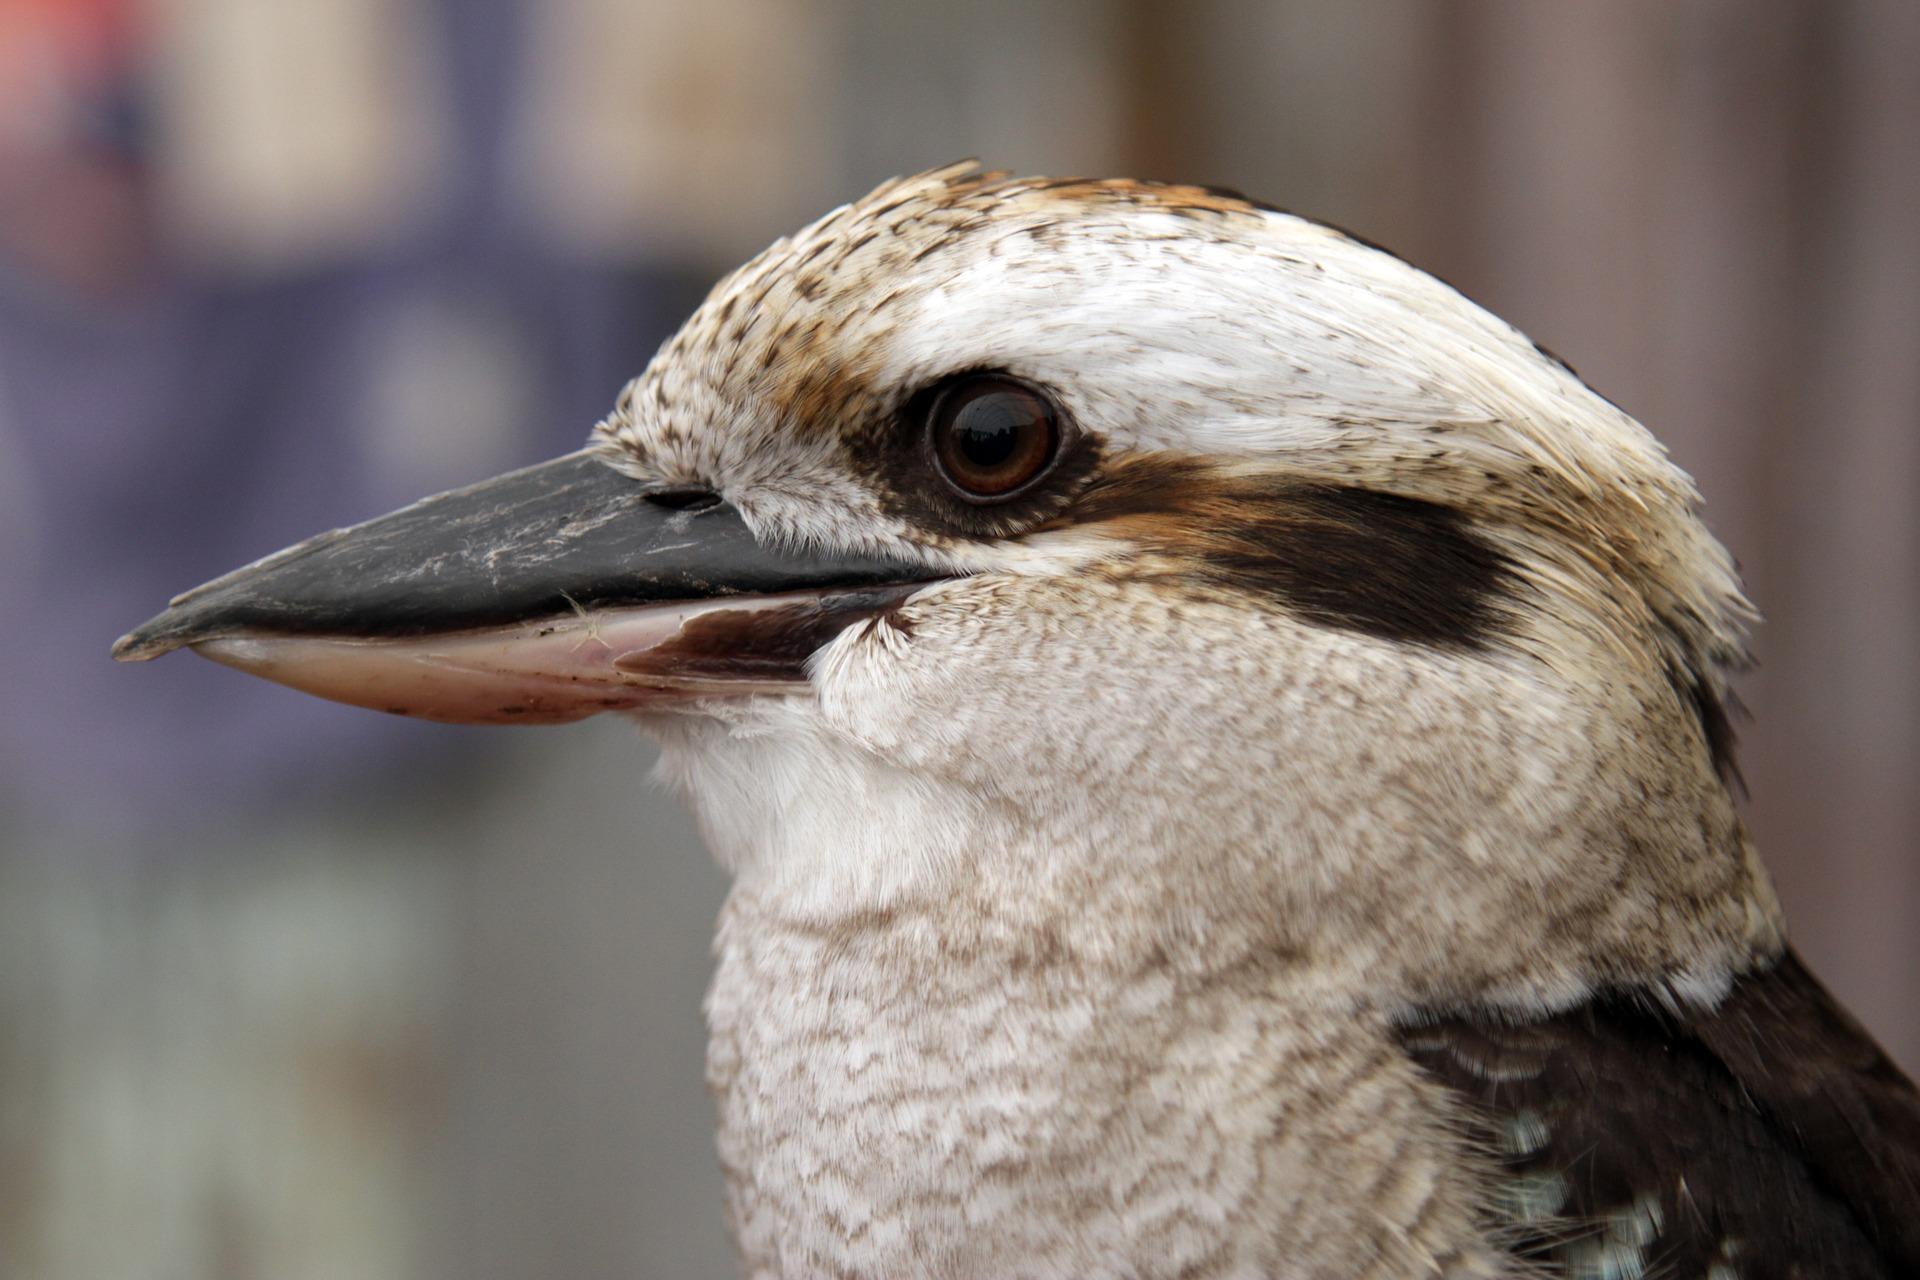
991 436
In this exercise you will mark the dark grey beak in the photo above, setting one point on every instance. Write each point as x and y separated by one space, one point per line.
485 581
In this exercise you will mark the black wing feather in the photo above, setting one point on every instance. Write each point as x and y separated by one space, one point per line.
1770 1138
1831 1094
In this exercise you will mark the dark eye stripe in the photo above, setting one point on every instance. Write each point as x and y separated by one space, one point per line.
1377 563
1393 567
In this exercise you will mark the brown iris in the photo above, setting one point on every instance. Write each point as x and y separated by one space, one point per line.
992 436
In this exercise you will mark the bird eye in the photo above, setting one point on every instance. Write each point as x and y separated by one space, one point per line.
992 436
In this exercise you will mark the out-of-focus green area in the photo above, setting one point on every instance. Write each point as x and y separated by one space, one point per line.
293 990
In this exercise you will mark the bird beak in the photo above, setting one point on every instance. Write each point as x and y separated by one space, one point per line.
545 595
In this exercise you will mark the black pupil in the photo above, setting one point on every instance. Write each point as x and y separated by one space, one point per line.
988 428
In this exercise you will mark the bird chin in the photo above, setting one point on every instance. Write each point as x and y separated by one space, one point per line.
556 669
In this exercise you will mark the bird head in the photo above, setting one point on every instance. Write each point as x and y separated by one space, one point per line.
1108 569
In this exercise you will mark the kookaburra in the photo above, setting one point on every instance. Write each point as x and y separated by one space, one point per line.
1221 746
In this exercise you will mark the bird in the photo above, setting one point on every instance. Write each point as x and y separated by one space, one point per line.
1223 749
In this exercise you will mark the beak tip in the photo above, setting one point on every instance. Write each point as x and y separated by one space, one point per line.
145 642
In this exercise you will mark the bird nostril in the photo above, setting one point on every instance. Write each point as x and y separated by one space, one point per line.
684 497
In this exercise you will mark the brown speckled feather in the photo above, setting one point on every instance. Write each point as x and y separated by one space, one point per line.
1771 1138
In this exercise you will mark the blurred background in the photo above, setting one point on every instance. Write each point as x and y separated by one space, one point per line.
291 990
